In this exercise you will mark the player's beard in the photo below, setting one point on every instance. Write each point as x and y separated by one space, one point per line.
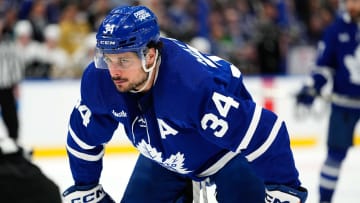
130 86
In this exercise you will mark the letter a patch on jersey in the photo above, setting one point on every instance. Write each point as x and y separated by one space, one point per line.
165 129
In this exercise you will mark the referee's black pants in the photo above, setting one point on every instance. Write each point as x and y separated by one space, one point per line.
8 111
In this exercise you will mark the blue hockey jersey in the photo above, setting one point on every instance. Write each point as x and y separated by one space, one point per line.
338 61
197 116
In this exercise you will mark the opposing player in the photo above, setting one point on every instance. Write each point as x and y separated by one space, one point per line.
338 62
189 115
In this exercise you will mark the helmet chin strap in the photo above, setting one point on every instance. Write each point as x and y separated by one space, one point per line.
149 72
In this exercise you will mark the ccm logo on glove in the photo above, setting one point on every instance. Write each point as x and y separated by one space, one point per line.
78 195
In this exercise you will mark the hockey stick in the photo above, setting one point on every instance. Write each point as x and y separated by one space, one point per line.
199 187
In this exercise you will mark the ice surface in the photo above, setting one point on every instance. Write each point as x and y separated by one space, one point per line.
117 169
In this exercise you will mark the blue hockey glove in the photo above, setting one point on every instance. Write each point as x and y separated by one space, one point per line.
86 194
306 96
282 193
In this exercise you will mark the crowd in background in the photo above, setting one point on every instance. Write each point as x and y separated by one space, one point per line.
56 37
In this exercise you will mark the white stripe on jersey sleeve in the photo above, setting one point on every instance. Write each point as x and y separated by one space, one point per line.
245 142
83 156
235 71
78 141
259 151
251 130
218 165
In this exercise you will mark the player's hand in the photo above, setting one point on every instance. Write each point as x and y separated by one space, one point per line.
306 96
282 193
87 194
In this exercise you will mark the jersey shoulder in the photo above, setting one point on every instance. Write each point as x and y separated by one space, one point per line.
189 67
187 79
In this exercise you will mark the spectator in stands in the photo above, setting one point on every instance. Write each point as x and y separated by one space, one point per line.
220 42
96 12
38 19
181 16
268 39
229 25
85 54
29 50
73 28
241 28
60 63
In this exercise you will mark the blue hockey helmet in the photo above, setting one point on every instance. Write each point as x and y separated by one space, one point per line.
127 28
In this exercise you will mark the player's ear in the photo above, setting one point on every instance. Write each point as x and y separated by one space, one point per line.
150 56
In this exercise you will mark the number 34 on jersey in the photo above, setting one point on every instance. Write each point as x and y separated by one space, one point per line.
217 123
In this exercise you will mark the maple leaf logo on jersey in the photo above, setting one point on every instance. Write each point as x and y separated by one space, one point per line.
174 163
149 151
352 63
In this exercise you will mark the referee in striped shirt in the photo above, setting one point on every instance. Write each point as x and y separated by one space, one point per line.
11 73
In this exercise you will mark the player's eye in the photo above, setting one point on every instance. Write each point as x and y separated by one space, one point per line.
124 62
107 60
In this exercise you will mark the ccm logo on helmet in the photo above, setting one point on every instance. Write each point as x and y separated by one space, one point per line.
142 14
107 42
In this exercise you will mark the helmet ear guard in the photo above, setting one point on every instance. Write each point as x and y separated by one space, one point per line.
154 63
147 70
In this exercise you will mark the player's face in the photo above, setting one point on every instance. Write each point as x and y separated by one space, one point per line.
353 8
126 71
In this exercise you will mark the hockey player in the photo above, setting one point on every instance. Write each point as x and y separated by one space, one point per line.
188 114
338 62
